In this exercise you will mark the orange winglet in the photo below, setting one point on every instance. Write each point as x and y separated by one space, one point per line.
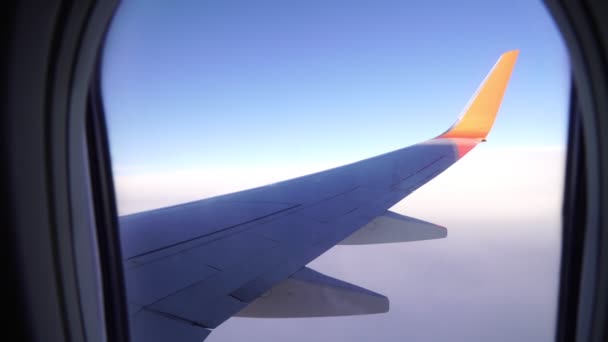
480 112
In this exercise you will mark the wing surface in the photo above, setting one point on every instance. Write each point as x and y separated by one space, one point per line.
193 266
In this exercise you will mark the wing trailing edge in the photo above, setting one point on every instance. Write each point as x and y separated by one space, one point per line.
308 293
392 227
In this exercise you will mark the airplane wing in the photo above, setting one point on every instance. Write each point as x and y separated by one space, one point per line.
190 267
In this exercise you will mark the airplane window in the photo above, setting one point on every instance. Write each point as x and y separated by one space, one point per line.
207 99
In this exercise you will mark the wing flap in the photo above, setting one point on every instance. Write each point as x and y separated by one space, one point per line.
154 327
392 227
308 293
209 302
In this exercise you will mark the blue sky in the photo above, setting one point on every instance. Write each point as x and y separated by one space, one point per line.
226 83
210 97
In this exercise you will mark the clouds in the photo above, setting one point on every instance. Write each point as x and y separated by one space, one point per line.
501 184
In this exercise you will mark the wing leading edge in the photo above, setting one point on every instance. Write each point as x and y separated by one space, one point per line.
190 267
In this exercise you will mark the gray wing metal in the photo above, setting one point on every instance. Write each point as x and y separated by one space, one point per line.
308 293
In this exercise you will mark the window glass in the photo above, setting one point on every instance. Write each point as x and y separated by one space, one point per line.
205 98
